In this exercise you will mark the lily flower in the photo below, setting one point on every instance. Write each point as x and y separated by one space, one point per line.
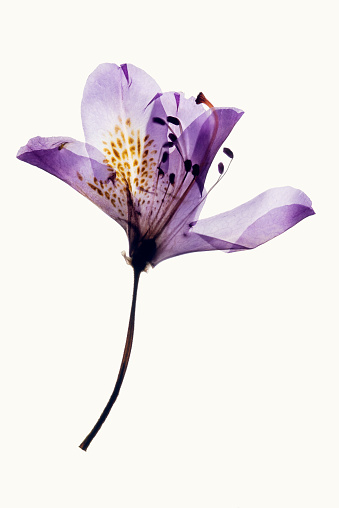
144 163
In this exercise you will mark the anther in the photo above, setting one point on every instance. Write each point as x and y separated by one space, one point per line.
201 99
160 171
158 120
221 168
164 157
195 170
169 144
172 137
171 178
172 119
228 152
188 165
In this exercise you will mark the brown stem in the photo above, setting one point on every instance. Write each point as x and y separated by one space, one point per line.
123 367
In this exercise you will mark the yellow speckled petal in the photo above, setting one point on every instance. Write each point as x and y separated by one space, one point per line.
67 159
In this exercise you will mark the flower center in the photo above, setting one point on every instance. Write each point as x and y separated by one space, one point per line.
146 183
130 158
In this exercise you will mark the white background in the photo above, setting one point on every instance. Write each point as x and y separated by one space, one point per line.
231 396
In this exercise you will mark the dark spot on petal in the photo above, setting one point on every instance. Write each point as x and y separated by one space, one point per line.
112 178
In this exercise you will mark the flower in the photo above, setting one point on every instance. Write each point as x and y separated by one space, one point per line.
145 162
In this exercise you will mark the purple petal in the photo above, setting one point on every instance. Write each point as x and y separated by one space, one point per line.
245 227
208 132
168 105
158 151
67 159
115 95
176 105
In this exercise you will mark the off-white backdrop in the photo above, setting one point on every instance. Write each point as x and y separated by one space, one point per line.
231 396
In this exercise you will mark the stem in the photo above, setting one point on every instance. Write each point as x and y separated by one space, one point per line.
123 367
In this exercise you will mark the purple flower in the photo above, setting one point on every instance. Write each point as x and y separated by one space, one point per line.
144 163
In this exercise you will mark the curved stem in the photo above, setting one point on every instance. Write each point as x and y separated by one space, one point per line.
123 367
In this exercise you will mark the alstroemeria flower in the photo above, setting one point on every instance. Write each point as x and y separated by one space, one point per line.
145 162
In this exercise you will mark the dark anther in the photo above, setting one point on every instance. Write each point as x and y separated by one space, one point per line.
164 157
195 170
144 254
228 152
169 144
172 119
188 165
158 120
221 168
171 178
172 137
161 173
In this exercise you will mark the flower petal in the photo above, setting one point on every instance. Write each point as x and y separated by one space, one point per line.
67 159
176 105
245 227
205 135
115 95
170 107
181 199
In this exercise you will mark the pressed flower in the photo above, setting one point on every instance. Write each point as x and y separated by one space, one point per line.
144 163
